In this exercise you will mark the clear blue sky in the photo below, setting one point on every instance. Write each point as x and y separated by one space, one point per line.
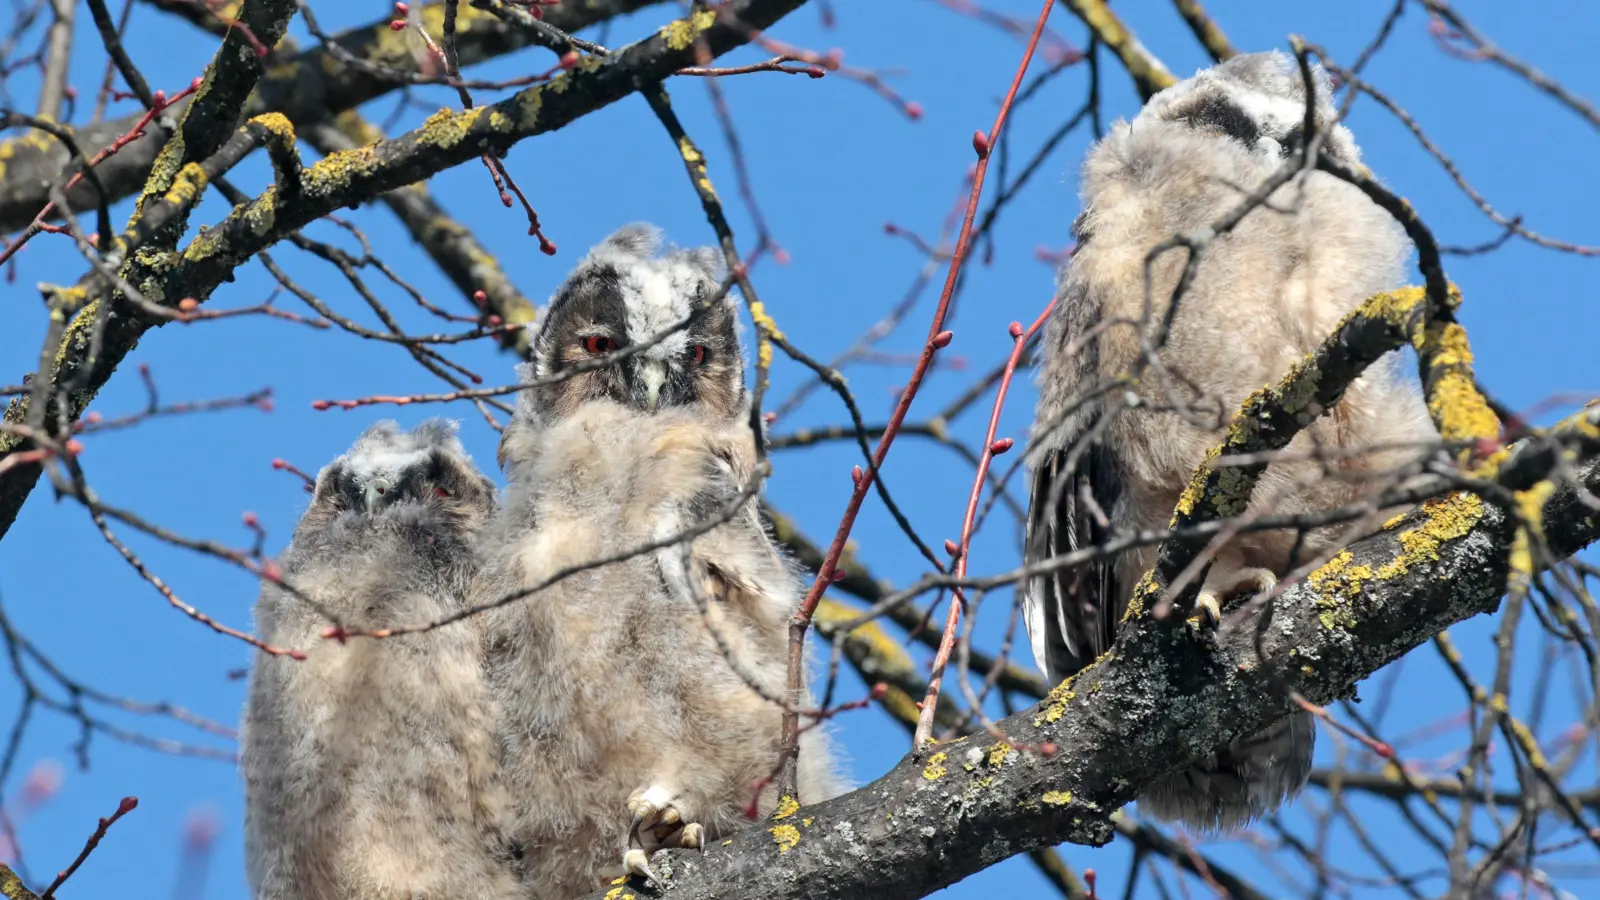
832 163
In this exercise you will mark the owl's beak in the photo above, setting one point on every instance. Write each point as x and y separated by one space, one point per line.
653 374
376 492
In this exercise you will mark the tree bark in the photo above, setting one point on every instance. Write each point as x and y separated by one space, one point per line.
1160 700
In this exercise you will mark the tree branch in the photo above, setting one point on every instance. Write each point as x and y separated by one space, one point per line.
1158 702
447 139
306 86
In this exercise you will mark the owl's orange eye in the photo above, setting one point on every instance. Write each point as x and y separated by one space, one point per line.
440 492
699 354
597 344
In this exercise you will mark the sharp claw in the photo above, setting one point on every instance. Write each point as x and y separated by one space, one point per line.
637 863
693 836
1209 609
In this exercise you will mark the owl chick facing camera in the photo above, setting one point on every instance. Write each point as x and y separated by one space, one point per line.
641 700
628 700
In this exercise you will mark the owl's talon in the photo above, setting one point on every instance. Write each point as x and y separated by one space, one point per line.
657 823
1208 609
637 862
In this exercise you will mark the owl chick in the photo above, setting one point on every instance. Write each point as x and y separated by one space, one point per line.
1265 295
370 767
623 294
641 698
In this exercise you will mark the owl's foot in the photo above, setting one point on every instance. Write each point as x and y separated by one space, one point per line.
1229 587
657 824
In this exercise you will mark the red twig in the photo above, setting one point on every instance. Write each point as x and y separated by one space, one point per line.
937 339
128 805
1378 747
992 447
133 134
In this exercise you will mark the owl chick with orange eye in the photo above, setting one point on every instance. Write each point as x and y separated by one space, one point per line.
640 683
620 295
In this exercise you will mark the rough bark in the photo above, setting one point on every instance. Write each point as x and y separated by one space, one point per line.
306 86
1158 701
352 177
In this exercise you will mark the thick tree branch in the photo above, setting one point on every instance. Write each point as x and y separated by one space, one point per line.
12 888
1158 701
1149 74
306 86
451 245
448 138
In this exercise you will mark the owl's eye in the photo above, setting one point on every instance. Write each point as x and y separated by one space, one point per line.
597 344
441 492
699 354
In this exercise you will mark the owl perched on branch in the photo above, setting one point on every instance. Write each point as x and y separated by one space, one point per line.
1114 461
642 698
370 768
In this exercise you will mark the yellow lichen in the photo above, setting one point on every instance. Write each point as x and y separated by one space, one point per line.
1459 410
1340 581
681 33
1530 531
187 187
1398 307
690 153
766 328
806 821
1529 745
935 769
276 123
262 214
618 893
785 836
1191 495
587 64
337 170
1055 703
1057 798
445 129
787 806
998 753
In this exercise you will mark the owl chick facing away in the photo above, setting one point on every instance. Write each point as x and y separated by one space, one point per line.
1264 295
641 698
370 767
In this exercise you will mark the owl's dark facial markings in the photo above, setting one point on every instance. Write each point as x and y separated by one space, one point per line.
589 317
435 478
1220 114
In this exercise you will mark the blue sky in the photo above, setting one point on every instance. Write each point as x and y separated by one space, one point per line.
831 163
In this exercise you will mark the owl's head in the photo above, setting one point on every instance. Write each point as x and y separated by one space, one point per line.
1259 101
624 294
389 470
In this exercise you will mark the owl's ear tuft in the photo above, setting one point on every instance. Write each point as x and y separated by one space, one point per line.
706 261
638 239
440 432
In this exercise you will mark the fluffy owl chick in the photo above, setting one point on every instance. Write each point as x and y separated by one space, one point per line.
1265 294
638 697
628 293
370 769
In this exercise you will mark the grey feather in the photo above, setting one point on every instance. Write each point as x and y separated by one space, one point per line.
1264 295
370 768
651 686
